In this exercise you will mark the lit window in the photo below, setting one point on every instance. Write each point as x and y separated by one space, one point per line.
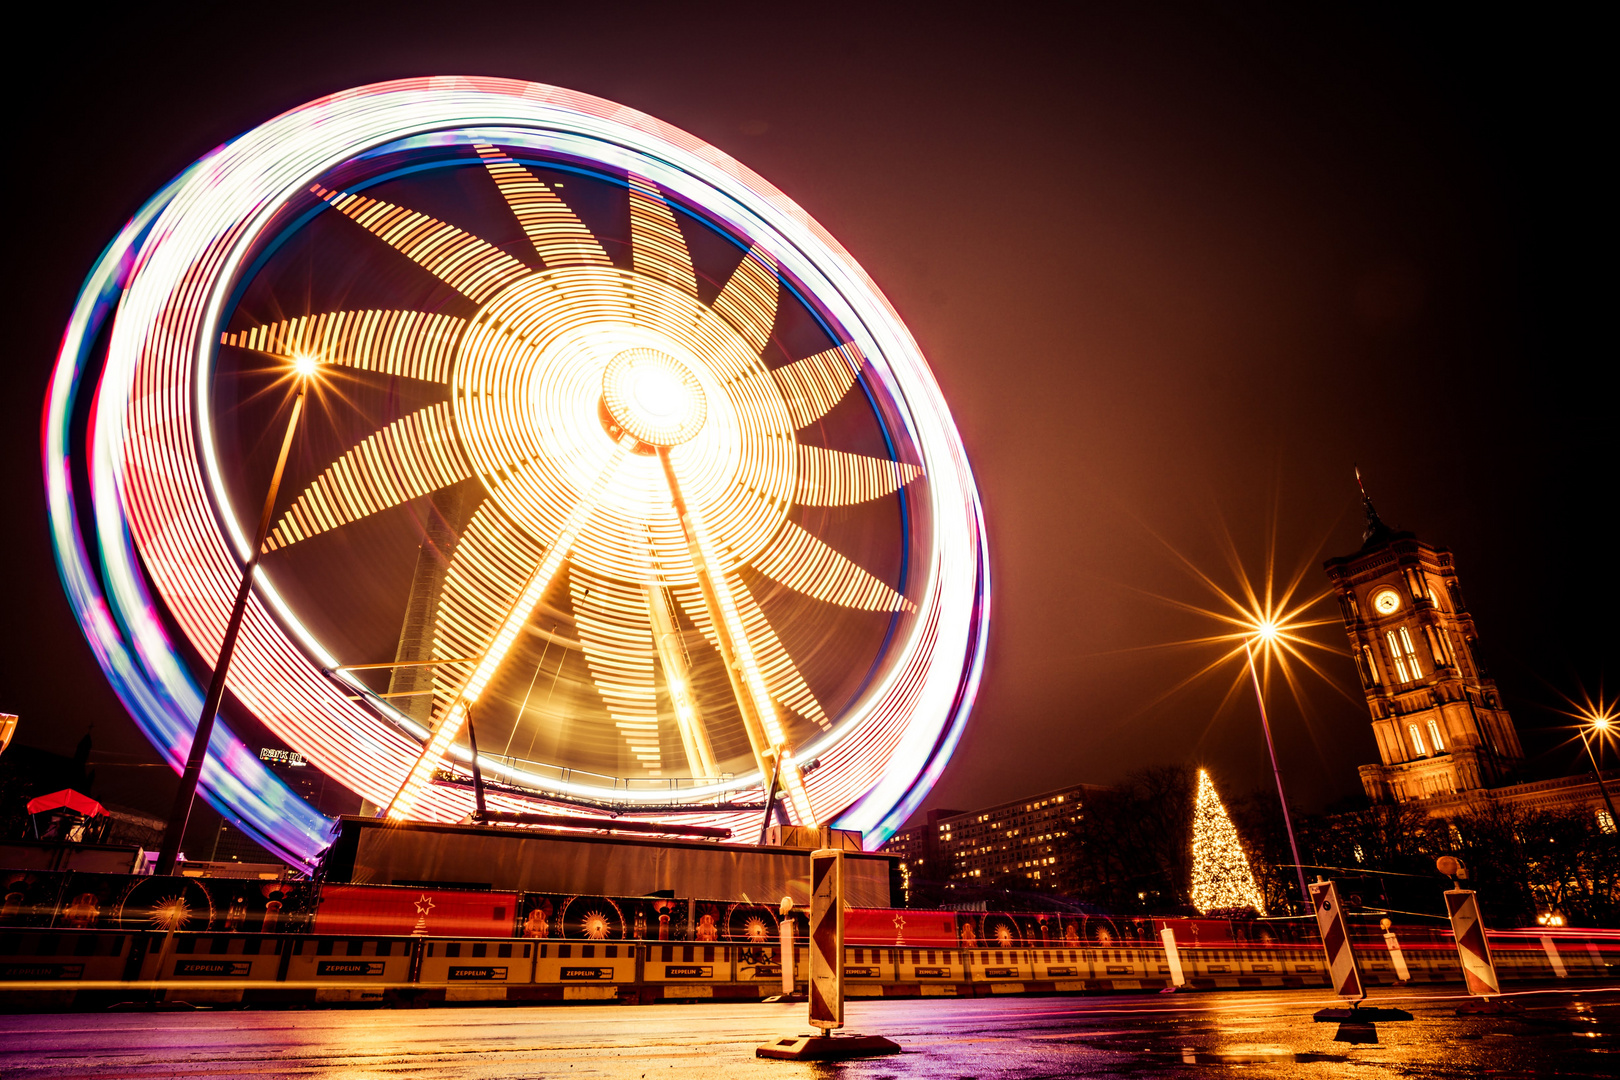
1435 739
1417 740
1605 822
1411 656
1358 853
1395 654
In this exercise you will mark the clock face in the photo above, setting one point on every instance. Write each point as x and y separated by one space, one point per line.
1385 601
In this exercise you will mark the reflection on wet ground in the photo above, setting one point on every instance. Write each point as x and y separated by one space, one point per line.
1552 1032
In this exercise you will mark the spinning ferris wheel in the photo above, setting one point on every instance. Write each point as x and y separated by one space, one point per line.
606 447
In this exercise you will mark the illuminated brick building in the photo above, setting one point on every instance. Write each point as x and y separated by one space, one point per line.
1444 736
1019 840
1439 721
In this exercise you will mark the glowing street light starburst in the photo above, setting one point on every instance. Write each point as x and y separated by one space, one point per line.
1263 614
1268 619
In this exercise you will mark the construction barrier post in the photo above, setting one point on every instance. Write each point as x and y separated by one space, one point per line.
1479 972
785 937
826 975
1396 957
1356 1022
827 939
1172 957
1335 933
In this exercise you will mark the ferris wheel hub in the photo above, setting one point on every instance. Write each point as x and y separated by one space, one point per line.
653 397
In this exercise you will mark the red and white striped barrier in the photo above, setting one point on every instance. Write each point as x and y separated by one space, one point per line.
1479 972
1346 977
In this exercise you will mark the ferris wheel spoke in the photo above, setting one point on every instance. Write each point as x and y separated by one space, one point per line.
558 236
410 344
475 268
804 563
657 247
836 478
617 639
782 677
748 299
415 455
539 584
772 753
812 386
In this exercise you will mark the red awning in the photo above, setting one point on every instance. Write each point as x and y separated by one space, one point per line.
69 798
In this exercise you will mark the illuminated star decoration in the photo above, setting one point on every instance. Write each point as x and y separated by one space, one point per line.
424 905
1221 877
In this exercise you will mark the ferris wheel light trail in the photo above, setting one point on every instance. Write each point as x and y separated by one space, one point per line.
521 365
404 802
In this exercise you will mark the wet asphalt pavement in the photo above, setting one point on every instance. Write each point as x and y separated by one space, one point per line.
1557 1032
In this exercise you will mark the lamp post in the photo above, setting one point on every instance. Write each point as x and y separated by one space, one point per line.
1599 722
1266 631
180 812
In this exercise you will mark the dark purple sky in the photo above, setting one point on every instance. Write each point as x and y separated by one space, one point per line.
1176 269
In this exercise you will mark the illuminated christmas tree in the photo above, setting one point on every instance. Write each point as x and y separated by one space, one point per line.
1221 878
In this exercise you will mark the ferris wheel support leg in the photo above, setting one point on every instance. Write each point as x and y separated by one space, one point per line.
540 583
678 678
186 794
765 734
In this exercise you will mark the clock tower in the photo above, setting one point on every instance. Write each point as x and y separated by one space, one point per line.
1437 716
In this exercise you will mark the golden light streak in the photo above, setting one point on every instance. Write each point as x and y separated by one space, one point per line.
558 236
836 478
700 758
404 802
415 455
804 563
618 642
657 247
748 300
411 344
812 386
475 268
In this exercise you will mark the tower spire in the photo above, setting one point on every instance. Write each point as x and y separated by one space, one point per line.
1376 531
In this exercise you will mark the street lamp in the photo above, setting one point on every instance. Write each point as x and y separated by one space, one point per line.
1598 720
1266 631
304 367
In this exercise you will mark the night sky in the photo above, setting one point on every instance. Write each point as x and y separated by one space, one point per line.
1176 271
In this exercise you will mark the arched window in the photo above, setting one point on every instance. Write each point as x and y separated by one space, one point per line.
1395 655
1372 664
1434 645
1434 738
1411 654
1417 740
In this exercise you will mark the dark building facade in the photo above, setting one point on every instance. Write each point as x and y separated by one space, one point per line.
1016 843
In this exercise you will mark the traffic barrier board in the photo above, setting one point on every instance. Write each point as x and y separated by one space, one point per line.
1479 972
1335 933
827 939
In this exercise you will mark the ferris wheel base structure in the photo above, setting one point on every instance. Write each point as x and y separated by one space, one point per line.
422 854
